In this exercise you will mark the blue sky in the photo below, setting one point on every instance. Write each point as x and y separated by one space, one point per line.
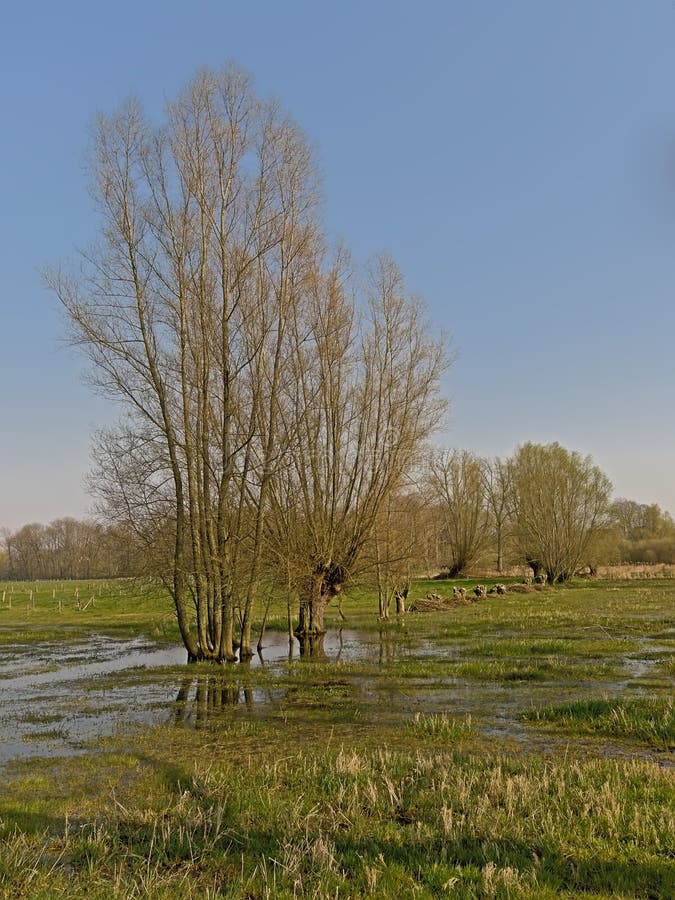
516 158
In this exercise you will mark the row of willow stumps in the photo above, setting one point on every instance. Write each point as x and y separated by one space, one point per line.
460 597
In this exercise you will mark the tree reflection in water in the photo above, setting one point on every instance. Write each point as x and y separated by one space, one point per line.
312 646
202 696
393 644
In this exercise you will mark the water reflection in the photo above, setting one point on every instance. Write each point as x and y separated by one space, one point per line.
333 646
199 698
344 644
394 644
58 695
312 646
206 696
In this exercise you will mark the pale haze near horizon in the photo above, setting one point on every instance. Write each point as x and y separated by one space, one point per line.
517 160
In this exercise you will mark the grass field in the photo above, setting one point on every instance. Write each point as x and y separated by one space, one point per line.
521 746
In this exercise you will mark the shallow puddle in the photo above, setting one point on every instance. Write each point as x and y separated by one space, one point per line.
57 695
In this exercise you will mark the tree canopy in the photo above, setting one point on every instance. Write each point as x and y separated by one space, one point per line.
272 397
559 499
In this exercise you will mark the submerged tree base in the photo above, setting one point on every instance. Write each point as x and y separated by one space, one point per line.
312 645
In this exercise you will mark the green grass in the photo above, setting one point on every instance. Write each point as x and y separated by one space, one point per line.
440 726
35 612
460 758
649 719
352 822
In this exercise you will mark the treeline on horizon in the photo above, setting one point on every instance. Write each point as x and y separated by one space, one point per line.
457 516
69 548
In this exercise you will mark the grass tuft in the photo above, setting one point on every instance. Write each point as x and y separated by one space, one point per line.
441 726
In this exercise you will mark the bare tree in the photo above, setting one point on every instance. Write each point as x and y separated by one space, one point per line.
262 426
26 551
396 550
365 396
455 481
68 548
496 484
206 225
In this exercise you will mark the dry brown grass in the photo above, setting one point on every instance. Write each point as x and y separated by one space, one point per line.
614 572
636 570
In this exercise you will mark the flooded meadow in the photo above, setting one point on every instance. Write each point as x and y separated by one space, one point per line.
63 694
520 746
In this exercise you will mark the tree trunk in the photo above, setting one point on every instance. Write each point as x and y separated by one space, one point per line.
537 568
226 653
311 614
313 602
245 648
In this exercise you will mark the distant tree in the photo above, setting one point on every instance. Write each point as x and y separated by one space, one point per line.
27 553
496 484
559 500
456 483
396 550
641 521
69 548
646 533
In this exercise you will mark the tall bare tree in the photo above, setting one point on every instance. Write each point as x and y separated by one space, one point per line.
206 224
455 481
365 397
262 427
